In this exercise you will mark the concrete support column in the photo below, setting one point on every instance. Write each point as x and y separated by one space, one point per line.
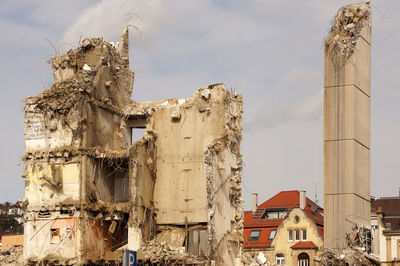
347 127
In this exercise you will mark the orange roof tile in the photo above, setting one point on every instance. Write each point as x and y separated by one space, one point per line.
304 245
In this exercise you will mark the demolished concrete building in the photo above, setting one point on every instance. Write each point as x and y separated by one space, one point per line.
174 195
347 124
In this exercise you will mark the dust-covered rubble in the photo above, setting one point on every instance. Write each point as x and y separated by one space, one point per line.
346 28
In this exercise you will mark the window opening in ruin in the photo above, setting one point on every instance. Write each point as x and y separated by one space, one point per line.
137 128
297 235
112 179
272 234
137 133
303 259
304 234
276 213
254 235
290 235
280 259
55 236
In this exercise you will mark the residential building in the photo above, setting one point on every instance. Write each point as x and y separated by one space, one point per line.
385 223
287 228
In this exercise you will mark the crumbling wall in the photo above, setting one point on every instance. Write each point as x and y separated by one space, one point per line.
225 204
174 195
77 166
189 162
143 172
184 131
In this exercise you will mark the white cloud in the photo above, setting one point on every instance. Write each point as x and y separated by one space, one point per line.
271 51
108 18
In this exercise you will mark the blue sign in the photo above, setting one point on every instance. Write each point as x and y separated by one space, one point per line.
129 258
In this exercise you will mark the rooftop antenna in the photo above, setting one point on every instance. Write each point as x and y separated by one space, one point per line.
315 174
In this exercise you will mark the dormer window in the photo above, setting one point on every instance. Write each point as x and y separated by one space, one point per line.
275 213
272 234
254 235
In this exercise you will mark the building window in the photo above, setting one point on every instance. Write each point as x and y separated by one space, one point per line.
55 236
280 259
290 235
303 234
297 235
275 213
272 234
303 259
254 235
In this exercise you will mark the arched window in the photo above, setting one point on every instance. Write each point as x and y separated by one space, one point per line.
280 259
303 259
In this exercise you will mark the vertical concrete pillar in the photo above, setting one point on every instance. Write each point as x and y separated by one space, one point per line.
347 124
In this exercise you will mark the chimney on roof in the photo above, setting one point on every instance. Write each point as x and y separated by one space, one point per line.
254 203
302 200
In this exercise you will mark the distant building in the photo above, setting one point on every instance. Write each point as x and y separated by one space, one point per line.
385 223
287 229
15 209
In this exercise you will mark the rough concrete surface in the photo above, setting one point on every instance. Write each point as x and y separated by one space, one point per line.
347 124
174 195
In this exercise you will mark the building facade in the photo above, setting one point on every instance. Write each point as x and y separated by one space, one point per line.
385 223
287 229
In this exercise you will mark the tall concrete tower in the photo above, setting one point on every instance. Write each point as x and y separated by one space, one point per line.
347 124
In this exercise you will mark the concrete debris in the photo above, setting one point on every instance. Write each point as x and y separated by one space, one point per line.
347 27
346 257
357 251
360 238
11 256
261 258
251 259
90 190
162 254
86 67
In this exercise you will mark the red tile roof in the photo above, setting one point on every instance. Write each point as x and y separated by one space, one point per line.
390 208
262 241
304 244
284 199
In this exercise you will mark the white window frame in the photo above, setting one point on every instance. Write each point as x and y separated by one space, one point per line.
302 234
280 259
297 235
290 235
258 232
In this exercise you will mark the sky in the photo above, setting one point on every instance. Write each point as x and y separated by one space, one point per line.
271 51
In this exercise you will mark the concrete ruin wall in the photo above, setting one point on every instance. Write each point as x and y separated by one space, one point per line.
347 124
174 195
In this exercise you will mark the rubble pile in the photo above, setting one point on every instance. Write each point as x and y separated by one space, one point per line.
357 252
349 256
346 28
360 238
11 256
161 253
